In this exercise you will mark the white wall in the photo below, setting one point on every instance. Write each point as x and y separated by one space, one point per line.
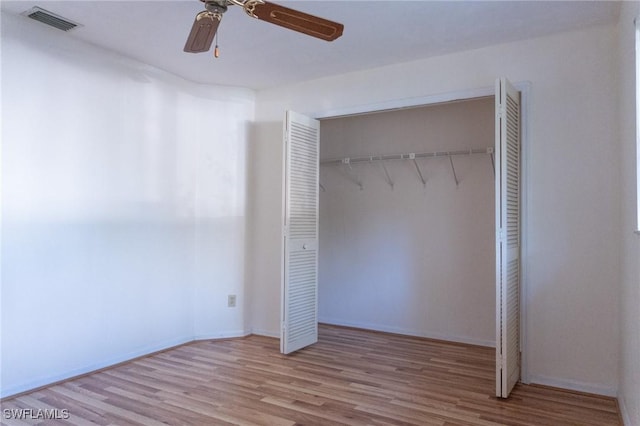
122 207
629 392
573 197
414 259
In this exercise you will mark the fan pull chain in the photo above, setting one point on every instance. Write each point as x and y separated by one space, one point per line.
216 51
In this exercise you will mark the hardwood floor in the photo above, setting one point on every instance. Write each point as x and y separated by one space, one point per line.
350 377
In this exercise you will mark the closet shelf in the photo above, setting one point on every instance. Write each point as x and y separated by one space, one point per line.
409 156
348 161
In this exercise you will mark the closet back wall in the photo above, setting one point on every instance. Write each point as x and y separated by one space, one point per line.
414 259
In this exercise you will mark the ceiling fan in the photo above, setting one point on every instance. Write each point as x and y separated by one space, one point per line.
206 22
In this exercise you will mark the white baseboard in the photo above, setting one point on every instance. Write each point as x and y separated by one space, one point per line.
624 413
409 332
573 385
65 375
232 334
48 380
266 333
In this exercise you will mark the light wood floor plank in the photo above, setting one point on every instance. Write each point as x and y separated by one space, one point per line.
350 377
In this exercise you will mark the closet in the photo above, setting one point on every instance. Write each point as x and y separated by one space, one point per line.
407 221
439 256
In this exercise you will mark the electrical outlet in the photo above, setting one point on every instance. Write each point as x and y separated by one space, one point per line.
231 301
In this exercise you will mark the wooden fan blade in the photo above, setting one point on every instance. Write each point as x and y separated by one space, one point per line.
298 21
202 33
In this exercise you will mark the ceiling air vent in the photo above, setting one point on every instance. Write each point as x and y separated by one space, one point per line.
51 19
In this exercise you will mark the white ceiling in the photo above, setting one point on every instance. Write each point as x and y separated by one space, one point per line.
258 55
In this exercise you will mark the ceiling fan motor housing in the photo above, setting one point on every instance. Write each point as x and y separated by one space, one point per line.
215 6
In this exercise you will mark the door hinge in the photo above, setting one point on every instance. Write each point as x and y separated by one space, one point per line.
285 230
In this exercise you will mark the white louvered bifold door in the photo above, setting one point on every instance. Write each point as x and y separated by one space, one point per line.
300 283
507 151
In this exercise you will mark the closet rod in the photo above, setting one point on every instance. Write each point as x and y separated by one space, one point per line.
410 156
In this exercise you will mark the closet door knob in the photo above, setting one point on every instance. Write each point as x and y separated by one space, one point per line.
304 247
